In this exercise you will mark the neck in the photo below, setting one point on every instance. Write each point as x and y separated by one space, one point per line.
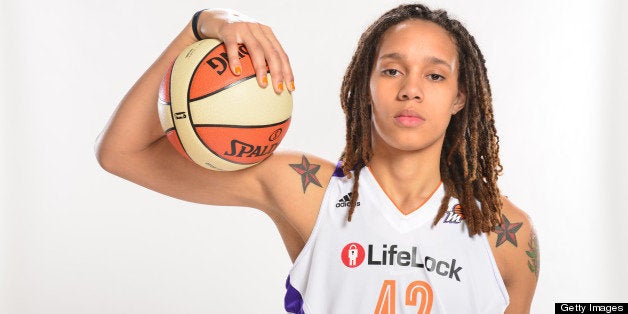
408 178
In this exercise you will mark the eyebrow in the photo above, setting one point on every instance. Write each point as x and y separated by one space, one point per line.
432 60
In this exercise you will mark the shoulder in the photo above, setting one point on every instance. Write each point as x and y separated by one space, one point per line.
295 184
515 247
289 172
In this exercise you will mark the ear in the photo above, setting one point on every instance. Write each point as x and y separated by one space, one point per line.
461 100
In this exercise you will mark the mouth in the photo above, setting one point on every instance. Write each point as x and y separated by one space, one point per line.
408 118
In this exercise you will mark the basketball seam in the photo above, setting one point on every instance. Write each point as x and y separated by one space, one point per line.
240 126
218 90
174 125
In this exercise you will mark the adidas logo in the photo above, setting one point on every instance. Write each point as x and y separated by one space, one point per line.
345 200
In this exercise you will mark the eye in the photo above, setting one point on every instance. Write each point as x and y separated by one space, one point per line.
391 72
435 77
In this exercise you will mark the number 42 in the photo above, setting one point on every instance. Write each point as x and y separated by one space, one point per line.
387 297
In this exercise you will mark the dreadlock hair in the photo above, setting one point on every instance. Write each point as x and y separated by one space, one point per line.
469 161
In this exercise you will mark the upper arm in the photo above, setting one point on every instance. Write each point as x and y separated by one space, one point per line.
516 251
270 185
161 168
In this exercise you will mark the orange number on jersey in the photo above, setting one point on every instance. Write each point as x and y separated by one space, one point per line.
386 301
423 288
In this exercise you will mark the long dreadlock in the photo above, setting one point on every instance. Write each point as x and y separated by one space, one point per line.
469 161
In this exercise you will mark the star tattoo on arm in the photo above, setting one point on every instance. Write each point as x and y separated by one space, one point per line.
307 172
507 231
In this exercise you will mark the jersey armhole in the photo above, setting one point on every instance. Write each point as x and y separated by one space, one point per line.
322 213
498 276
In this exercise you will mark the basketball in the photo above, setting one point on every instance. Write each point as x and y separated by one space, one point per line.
216 119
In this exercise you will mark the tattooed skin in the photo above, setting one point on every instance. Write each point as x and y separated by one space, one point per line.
307 172
533 254
507 232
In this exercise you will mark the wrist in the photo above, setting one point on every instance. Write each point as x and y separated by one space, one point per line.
195 26
209 22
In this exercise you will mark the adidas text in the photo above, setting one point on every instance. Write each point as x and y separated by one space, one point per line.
345 201
346 204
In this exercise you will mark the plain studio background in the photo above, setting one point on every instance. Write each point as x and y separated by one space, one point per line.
75 239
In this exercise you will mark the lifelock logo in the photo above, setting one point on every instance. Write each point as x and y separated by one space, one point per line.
354 254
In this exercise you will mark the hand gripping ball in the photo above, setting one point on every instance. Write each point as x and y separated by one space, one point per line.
216 119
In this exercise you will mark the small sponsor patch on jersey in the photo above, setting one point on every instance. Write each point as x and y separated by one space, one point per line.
345 201
454 215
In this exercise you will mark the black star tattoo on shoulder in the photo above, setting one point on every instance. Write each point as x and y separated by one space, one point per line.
307 172
507 231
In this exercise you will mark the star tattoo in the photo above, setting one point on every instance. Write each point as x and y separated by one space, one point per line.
307 172
506 232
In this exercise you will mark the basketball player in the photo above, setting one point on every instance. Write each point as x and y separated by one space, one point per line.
411 220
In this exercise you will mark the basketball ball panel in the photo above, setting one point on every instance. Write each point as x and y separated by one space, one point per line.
243 104
165 115
164 87
173 138
186 63
212 74
180 81
243 145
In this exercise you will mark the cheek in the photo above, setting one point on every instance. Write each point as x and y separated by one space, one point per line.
376 117
445 101
380 123
377 109
373 95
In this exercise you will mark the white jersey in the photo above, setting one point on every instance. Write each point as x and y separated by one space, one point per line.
386 262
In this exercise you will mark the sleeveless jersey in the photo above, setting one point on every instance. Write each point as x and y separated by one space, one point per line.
386 262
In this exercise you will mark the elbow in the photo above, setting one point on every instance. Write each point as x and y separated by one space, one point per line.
107 158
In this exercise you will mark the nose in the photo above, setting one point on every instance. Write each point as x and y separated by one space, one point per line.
411 89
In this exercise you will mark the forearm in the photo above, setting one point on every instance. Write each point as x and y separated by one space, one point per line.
135 126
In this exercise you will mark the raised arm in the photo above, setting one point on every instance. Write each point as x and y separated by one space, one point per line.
133 145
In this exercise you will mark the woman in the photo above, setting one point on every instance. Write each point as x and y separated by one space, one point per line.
411 219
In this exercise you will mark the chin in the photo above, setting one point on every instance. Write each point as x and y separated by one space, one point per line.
412 148
414 144
405 141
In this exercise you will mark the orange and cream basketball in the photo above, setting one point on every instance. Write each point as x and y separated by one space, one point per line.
219 120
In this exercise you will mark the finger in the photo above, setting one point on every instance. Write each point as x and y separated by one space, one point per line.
258 59
272 56
286 68
231 45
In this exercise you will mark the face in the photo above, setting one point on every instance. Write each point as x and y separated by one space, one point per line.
414 87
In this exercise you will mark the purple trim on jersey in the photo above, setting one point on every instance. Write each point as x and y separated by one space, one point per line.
338 172
293 302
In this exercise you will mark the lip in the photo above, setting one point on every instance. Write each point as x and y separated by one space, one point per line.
408 118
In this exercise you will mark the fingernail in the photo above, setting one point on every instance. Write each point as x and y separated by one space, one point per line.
238 70
264 80
280 86
292 85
